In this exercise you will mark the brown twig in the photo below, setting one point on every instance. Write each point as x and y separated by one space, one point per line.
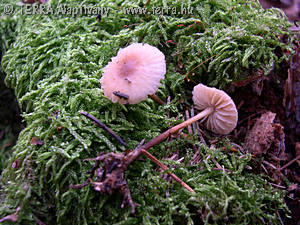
250 117
164 167
121 95
280 219
277 186
157 99
239 147
200 134
147 2
110 176
194 127
269 164
289 163
196 158
103 126
189 127
217 164
125 160
264 168
167 111
208 157
187 75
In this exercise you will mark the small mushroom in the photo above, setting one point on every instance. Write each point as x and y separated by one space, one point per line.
219 111
133 74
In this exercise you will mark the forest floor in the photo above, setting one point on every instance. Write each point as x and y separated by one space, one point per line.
277 93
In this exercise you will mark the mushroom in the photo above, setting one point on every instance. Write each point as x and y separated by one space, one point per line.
219 113
133 74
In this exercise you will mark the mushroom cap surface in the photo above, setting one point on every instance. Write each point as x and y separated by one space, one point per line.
224 117
135 72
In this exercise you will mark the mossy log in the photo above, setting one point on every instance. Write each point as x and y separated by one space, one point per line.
55 65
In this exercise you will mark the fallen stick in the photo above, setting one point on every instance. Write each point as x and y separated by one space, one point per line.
103 126
289 163
164 167
143 150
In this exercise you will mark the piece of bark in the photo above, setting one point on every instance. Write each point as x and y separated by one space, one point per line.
266 139
261 136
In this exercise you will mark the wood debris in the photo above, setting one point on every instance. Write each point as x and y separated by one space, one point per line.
265 135
266 139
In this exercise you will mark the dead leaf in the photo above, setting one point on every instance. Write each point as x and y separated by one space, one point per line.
15 164
36 141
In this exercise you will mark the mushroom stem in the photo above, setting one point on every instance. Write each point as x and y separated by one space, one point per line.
166 134
199 116
176 128
157 99
164 167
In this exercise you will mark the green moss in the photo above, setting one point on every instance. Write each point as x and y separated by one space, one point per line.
8 31
54 67
7 35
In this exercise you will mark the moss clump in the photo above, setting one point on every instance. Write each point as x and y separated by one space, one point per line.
9 124
55 65
7 33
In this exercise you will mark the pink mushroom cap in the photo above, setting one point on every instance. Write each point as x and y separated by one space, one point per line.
134 73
